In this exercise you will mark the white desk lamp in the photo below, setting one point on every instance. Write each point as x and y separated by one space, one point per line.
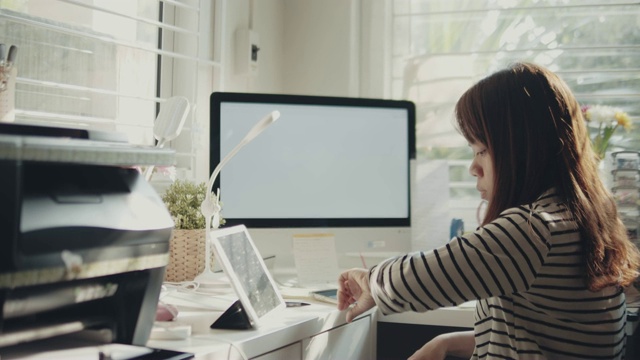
169 123
211 208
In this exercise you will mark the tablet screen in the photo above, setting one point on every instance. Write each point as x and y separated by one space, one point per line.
247 272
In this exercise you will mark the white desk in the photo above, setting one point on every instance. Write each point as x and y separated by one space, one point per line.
461 316
310 332
318 331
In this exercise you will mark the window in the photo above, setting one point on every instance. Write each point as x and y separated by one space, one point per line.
441 47
108 64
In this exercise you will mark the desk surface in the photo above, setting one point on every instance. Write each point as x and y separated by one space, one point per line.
291 325
463 316
460 316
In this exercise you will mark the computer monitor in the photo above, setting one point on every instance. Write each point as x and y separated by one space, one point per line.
332 165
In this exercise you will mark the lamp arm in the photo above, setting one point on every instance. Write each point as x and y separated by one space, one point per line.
209 207
222 163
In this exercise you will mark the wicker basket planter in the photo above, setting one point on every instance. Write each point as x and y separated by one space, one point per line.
186 255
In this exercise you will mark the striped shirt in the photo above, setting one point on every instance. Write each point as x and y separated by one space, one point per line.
525 268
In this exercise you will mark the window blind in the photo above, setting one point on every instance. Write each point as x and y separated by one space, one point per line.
441 47
108 64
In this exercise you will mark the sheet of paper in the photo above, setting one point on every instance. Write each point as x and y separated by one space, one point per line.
316 260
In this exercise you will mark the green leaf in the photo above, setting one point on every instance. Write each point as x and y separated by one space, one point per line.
183 199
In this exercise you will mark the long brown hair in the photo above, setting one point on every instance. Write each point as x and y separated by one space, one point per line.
534 131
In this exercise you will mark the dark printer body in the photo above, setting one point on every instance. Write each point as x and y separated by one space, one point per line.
84 239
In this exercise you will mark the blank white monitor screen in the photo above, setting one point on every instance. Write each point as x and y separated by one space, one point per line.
327 161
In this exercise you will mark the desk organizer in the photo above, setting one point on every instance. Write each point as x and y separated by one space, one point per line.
84 238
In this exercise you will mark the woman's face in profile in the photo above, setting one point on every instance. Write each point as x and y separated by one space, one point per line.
482 169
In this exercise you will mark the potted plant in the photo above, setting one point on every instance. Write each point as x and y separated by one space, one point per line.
187 245
183 199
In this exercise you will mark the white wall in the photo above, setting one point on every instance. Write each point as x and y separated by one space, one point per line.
266 19
308 47
322 47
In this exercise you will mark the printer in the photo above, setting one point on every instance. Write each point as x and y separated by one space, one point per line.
84 238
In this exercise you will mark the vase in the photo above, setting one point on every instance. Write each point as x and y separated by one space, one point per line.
605 168
186 255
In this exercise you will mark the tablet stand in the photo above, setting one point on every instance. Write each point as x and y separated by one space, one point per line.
235 318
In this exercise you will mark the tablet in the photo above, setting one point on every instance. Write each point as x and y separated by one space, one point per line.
239 258
328 295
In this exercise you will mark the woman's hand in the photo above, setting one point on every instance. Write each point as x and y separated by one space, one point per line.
460 344
354 289
436 349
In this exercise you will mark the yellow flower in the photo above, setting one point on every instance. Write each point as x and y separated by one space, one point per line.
623 120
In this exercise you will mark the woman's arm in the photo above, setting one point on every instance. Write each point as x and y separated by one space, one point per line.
502 257
460 344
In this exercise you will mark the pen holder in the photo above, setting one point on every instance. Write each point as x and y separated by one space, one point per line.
8 94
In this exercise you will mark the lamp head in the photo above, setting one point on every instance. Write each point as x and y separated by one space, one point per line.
171 118
261 125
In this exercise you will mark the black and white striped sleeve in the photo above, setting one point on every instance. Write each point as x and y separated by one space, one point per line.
499 258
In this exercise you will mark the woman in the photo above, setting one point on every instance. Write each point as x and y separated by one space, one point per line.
550 260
